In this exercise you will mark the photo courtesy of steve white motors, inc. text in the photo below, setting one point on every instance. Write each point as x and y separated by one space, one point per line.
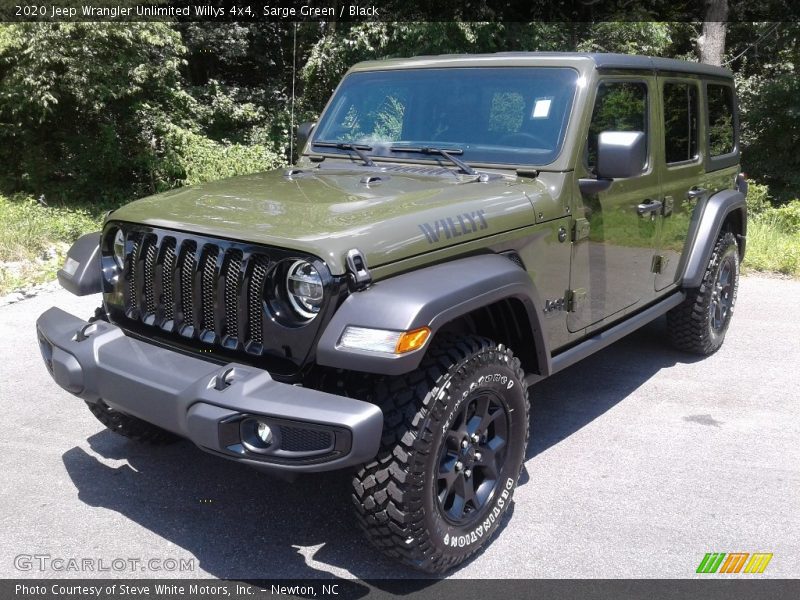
242 11
212 590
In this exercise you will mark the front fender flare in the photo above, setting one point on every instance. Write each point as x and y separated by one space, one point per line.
80 274
716 210
432 297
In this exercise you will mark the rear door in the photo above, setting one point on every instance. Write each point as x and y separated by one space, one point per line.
681 167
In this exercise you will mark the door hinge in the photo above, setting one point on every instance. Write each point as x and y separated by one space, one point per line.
575 299
669 203
659 263
581 229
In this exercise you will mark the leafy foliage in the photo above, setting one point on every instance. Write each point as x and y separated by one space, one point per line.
101 113
191 158
34 239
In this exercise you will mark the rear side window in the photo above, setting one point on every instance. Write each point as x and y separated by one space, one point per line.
619 106
680 122
720 119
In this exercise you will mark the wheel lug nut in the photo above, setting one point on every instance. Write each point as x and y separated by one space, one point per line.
475 438
468 473
459 465
477 456
464 444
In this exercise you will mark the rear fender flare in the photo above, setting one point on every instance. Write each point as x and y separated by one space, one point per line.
709 227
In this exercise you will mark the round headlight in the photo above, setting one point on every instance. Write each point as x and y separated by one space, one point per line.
119 248
304 289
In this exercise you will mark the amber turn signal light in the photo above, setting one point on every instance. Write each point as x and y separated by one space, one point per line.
411 340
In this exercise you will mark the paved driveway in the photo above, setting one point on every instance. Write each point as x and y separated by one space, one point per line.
642 459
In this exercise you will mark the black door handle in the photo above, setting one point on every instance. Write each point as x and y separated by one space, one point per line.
695 193
650 206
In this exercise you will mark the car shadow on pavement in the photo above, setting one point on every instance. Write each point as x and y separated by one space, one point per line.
241 524
573 398
237 523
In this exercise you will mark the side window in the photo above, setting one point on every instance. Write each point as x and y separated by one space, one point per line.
619 106
720 119
680 122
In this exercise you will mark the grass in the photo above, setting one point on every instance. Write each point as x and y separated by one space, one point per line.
771 248
34 239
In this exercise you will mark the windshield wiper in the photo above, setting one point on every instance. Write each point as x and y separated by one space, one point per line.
446 152
358 149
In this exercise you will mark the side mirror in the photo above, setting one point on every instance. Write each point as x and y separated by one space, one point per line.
303 133
621 154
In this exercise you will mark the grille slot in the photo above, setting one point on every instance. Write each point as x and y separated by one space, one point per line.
208 286
256 293
131 302
233 278
168 279
149 274
188 264
299 439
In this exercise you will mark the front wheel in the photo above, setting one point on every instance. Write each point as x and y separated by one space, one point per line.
454 444
700 322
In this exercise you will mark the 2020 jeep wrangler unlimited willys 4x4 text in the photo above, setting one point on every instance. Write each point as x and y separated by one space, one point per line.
456 229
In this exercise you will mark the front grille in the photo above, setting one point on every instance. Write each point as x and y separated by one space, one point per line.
208 294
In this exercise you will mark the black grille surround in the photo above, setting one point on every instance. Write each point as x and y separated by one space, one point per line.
221 299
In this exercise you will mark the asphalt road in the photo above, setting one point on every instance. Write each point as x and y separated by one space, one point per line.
641 460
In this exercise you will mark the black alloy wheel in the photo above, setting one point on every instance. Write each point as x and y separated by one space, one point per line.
472 457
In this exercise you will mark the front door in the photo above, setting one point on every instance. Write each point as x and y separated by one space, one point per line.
612 262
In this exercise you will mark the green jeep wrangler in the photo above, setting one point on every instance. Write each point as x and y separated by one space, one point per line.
456 229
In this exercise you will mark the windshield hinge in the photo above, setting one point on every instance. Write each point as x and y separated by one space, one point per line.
360 277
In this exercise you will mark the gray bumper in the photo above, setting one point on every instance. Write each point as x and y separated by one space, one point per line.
213 406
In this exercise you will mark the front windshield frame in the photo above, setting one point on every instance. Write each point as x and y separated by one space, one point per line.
558 85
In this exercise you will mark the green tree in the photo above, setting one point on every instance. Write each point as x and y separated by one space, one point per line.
82 105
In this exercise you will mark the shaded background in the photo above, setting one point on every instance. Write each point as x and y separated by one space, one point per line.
108 112
94 115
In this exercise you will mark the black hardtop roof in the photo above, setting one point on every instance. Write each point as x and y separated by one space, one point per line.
601 61
655 63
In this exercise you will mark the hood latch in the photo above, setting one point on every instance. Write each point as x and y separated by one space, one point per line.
360 277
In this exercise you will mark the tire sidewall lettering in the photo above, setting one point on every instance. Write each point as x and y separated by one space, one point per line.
502 380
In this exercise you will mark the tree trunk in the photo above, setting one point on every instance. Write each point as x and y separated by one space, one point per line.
711 45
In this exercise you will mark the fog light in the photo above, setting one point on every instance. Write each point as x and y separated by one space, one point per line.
264 433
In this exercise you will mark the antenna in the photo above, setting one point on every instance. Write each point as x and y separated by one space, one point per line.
294 71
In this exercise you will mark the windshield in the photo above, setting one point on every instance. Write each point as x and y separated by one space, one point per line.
508 115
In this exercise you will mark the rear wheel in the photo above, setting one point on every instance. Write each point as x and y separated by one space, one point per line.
129 426
700 323
454 443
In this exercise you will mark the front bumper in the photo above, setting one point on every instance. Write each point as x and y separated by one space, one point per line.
213 406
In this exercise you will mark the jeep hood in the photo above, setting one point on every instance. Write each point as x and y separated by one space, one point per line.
328 211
